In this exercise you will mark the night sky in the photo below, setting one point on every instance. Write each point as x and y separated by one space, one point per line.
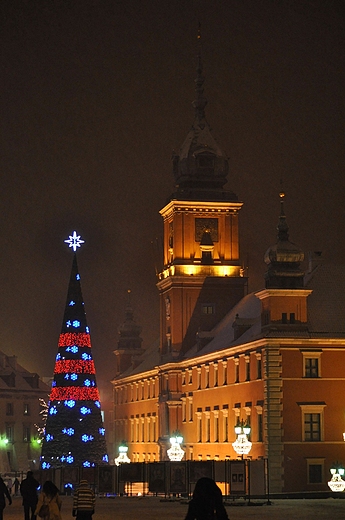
95 96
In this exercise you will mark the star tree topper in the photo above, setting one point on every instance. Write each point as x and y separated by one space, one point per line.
74 241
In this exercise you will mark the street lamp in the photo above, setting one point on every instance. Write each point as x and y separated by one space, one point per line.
242 445
175 453
122 458
337 483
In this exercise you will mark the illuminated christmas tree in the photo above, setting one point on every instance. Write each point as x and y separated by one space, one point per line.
74 433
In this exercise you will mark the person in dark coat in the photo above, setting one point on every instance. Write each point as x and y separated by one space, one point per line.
4 493
28 490
207 502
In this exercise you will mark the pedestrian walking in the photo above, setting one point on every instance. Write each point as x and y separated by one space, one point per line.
9 485
49 502
4 493
83 501
28 490
207 502
16 486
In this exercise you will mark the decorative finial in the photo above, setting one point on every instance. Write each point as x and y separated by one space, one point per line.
200 103
74 241
283 228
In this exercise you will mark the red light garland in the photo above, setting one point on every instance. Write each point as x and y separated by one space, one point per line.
76 366
78 393
69 339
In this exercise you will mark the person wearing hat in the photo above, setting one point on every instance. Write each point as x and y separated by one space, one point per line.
83 501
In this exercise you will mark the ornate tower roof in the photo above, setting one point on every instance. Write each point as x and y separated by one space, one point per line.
284 257
200 167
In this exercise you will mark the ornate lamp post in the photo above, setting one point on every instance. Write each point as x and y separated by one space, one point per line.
337 483
122 458
242 445
176 453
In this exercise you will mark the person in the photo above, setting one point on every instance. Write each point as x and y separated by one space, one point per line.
207 502
28 490
9 485
16 486
83 501
50 496
4 493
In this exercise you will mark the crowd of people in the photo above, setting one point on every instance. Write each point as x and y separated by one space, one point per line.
45 503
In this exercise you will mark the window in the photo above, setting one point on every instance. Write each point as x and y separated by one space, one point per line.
208 426
312 364
312 421
208 308
216 425
225 426
247 358
315 471
258 365
26 409
9 432
9 408
207 376
312 425
225 372
26 433
260 428
237 370
215 375
183 409
190 409
311 367
199 425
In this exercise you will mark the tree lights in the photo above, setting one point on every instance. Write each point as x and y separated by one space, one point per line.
74 433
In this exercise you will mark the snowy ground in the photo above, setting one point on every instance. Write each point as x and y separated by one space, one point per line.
151 508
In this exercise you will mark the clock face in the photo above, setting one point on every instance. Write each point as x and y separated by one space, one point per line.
206 224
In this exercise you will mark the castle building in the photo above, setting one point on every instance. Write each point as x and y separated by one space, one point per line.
273 359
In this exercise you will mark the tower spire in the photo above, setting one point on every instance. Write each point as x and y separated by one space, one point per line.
200 102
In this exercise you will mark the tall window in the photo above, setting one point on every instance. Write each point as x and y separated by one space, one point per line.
9 432
216 426
247 358
312 427
190 409
208 427
26 433
215 375
199 425
237 370
26 409
260 428
312 421
311 367
312 363
9 408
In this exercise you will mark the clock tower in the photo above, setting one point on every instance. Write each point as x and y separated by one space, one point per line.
201 278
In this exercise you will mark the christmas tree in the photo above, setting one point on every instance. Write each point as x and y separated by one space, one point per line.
74 433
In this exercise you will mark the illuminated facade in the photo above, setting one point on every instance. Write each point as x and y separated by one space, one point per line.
74 433
20 412
273 359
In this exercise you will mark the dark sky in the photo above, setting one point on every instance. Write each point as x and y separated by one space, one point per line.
95 95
